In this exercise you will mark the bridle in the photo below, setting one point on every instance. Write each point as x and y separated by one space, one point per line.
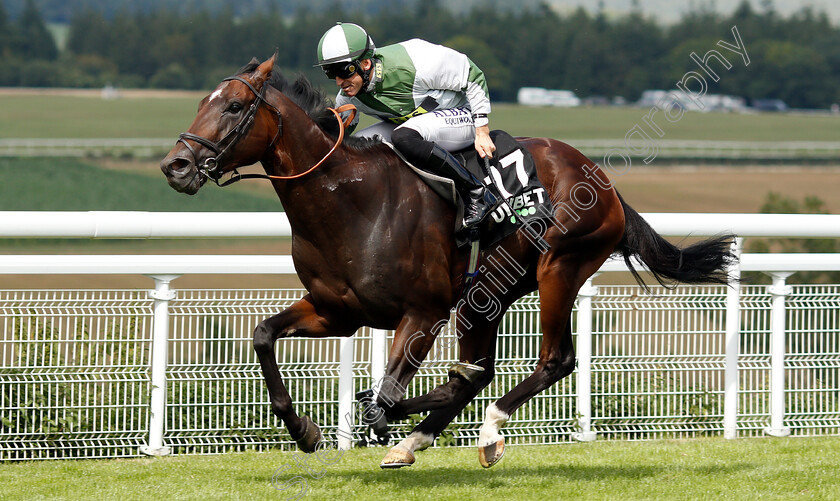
212 166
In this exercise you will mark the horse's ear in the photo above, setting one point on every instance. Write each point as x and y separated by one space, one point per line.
263 71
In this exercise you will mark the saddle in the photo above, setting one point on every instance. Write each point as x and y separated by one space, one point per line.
511 175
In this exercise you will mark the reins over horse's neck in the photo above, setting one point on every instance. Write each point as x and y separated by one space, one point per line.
342 125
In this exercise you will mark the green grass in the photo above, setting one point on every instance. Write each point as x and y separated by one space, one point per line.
614 123
59 184
767 468
91 117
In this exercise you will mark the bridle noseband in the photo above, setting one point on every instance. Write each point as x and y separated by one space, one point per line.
212 166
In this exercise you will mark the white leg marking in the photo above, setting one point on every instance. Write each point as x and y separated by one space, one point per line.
494 419
416 442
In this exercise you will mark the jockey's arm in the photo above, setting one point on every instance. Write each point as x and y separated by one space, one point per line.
446 68
479 98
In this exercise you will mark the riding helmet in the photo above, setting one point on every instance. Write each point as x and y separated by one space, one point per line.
344 42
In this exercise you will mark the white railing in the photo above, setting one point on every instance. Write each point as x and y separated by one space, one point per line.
671 148
162 324
677 148
80 147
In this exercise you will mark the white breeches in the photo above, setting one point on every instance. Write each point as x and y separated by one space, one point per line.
452 130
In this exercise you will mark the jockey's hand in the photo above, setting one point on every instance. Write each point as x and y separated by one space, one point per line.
483 144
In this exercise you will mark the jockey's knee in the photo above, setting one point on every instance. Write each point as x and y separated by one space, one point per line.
411 144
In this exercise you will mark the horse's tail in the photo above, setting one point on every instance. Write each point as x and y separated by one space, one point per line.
703 262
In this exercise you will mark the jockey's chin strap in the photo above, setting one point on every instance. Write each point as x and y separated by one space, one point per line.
212 167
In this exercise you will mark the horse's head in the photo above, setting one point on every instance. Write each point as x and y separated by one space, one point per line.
232 128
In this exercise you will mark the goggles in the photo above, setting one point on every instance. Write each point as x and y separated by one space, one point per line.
341 70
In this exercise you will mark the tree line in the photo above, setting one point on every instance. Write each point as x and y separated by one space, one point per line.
795 58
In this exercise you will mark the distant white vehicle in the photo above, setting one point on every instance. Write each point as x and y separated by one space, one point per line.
651 98
538 96
711 102
723 102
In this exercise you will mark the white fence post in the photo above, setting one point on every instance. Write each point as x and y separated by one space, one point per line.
346 417
584 359
779 290
160 341
733 342
378 358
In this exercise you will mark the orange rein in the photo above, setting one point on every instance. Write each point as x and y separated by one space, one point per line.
341 126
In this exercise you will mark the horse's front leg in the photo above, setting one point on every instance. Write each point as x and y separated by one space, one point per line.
413 339
301 320
477 346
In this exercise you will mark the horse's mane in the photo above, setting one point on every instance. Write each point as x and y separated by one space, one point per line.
312 101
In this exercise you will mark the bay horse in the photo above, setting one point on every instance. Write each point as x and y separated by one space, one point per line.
374 246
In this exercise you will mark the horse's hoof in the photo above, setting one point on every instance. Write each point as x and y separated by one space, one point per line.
397 458
491 454
311 436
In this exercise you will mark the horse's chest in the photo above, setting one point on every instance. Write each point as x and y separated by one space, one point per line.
349 283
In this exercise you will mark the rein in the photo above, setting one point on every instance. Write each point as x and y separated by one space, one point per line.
212 167
342 125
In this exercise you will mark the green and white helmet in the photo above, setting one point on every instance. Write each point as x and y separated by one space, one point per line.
344 42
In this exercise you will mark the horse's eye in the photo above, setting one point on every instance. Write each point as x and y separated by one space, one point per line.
234 108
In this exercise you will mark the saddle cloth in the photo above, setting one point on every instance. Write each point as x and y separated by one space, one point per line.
512 177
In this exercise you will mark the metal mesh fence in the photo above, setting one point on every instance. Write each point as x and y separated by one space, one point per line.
658 359
75 370
74 373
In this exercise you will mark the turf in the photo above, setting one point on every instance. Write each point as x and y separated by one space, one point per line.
51 116
767 468
614 123
50 184
89 117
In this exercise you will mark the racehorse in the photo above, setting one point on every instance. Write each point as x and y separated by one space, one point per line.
374 246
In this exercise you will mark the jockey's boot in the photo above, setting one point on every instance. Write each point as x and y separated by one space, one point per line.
477 200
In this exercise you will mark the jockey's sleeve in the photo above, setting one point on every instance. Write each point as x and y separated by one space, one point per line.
478 95
447 69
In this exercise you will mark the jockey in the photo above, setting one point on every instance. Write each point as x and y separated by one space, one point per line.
431 100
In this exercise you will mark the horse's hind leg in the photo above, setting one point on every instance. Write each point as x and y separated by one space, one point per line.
558 287
300 320
477 347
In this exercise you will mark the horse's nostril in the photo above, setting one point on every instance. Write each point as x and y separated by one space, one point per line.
178 165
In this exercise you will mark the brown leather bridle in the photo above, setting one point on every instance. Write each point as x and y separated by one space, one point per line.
212 167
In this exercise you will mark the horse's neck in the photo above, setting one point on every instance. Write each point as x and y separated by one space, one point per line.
350 181
355 192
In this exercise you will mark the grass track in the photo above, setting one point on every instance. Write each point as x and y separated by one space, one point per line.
71 116
53 116
59 184
766 468
568 124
